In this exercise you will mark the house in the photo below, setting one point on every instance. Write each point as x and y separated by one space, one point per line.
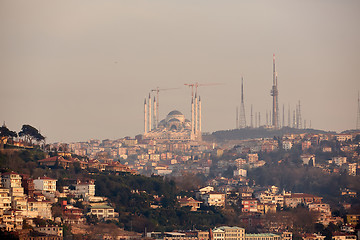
249 205
184 202
103 212
57 161
301 198
71 214
265 208
214 199
50 230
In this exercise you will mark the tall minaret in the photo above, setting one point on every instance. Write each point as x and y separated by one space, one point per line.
251 117
196 115
145 117
150 113
155 112
199 117
192 116
274 93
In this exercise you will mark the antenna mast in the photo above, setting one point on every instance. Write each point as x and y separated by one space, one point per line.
242 123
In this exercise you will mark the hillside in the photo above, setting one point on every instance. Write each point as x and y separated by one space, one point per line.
251 133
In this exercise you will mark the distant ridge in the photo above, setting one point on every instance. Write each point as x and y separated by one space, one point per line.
252 133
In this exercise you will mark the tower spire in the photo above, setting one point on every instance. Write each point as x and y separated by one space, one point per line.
242 123
145 117
274 93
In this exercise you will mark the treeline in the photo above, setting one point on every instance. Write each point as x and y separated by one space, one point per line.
251 133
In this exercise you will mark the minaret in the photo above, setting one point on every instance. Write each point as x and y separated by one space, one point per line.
299 117
145 117
242 123
259 119
196 115
274 93
283 120
251 116
256 118
199 118
150 113
192 116
154 124
237 118
289 121
267 118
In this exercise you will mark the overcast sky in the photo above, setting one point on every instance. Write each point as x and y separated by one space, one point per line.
80 69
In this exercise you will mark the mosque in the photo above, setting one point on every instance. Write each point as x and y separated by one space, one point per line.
175 127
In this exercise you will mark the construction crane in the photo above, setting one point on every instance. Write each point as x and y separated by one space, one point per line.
196 85
157 90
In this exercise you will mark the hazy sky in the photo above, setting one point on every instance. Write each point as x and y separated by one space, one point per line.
81 69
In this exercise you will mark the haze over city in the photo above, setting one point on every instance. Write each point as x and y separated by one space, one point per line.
79 69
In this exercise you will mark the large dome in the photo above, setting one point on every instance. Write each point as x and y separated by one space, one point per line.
175 112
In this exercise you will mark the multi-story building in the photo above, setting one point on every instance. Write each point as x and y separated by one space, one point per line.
103 212
184 202
39 208
46 185
228 233
214 199
249 205
50 230
5 200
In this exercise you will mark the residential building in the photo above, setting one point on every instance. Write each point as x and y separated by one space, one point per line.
249 205
50 230
343 236
46 185
103 212
214 199
39 208
185 201
5 200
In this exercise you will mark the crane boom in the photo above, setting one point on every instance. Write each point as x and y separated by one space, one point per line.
157 90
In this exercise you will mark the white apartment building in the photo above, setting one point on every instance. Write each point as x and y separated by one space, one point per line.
45 184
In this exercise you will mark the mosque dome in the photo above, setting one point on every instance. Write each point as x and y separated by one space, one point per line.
175 112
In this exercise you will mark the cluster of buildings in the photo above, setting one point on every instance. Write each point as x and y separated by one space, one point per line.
219 233
23 199
256 202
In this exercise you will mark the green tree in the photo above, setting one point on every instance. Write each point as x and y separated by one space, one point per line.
30 133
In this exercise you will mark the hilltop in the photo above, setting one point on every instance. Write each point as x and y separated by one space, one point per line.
252 133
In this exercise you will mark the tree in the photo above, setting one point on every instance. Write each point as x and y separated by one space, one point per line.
6 133
30 133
